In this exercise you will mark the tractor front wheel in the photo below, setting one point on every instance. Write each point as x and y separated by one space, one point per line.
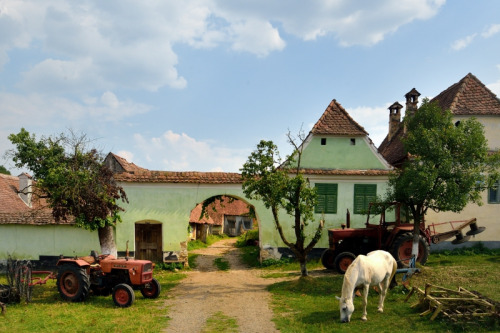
402 246
343 261
73 283
328 259
123 295
151 289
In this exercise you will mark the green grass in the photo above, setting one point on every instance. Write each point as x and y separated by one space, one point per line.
250 256
219 322
251 237
308 304
198 244
192 260
48 313
221 264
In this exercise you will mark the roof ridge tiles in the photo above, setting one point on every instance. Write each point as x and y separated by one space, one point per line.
335 120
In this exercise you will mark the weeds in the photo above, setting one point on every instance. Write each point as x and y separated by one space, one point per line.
219 322
221 264
198 244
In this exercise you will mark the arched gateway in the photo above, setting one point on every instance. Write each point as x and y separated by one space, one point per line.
156 219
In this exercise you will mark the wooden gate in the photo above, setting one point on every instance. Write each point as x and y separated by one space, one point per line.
148 241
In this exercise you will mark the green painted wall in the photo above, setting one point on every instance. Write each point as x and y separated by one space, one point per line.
171 205
339 153
346 201
31 241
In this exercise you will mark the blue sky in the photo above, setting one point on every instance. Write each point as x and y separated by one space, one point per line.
196 84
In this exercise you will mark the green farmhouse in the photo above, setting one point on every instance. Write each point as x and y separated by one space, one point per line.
338 158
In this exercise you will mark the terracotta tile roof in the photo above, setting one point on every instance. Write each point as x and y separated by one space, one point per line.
13 210
343 172
180 177
393 151
236 207
469 96
336 121
119 164
9 199
194 217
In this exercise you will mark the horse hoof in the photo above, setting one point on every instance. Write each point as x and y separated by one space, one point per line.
380 310
363 318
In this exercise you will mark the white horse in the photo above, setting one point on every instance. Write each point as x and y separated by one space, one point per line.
376 268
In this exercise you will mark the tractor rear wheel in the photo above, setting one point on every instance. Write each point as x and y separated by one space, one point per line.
328 259
343 261
152 289
123 295
73 283
401 249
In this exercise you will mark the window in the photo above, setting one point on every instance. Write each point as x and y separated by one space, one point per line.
327 198
247 224
494 193
353 142
323 141
363 195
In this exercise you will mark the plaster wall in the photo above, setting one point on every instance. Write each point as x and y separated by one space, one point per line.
487 216
171 205
491 129
340 153
31 241
346 201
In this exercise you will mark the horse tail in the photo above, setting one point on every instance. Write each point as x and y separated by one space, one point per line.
393 282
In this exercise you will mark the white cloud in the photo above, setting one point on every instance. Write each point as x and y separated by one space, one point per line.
495 87
42 110
257 37
375 120
180 152
126 155
491 30
463 43
93 45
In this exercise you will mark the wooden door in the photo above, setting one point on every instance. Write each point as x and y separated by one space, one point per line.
148 241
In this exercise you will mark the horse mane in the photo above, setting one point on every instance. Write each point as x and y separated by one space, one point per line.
348 285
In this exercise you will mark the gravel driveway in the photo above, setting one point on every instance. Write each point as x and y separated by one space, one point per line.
239 293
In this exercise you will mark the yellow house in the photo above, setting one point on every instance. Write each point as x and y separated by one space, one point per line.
467 98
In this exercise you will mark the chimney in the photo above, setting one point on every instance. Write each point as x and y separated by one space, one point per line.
411 102
25 188
394 119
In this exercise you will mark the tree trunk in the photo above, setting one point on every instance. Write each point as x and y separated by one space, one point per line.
107 241
416 235
303 267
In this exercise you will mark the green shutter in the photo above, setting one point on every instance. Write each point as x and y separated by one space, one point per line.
327 198
363 195
493 193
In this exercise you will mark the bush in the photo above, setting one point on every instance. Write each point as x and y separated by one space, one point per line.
249 238
169 266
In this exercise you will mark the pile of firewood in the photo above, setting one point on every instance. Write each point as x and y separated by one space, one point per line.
456 305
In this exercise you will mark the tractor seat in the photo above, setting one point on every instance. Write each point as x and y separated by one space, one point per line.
88 259
93 258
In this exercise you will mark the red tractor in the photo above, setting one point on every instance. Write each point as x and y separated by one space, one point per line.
104 275
395 237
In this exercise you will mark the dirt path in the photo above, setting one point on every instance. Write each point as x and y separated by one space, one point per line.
239 293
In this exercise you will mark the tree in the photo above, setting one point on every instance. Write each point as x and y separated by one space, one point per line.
74 180
283 186
4 170
448 165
